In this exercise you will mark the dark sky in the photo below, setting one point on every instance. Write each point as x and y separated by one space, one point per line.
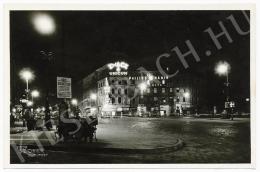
86 40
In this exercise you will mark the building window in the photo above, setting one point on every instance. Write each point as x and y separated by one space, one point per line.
178 99
170 90
177 90
133 101
124 82
113 100
119 91
132 81
119 100
155 98
125 91
163 90
183 99
113 91
155 90
119 82
148 90
113 81
163 81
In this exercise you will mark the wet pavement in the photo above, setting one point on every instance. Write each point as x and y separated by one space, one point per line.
206 141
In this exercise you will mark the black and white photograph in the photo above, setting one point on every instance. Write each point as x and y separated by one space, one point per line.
130 86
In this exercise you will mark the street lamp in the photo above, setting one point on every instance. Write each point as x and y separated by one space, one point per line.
74 102
43 23
35 94
223 68
27 75
142 87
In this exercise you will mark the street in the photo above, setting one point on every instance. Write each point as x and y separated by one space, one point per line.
206 141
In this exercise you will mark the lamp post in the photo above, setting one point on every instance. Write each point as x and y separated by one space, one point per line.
45 25
142 87
27 75
223 68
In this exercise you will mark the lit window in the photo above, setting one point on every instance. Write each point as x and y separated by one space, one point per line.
155 98
163 90
163 81
155 90
171 90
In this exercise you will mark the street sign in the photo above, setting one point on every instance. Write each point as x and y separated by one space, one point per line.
63 87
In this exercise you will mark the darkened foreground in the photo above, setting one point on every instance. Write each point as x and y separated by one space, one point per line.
206 141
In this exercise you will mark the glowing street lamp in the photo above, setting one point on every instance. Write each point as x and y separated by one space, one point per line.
223 68
27 75
74 102
35 93
142 87
43 23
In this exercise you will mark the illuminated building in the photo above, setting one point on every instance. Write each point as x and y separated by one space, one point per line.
122 90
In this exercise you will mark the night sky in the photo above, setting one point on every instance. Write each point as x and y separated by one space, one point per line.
86 40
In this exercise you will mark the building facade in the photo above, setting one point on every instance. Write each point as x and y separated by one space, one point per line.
121 90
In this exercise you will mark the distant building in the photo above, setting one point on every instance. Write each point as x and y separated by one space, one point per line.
121 90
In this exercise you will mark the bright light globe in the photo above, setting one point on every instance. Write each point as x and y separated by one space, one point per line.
43 23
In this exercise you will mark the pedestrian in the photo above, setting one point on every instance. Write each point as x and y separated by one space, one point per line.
178 111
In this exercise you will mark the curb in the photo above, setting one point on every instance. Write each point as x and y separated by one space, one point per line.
178 145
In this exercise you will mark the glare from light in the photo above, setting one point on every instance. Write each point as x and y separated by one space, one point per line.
93 96
35 93
43 23
186 94
143 86
14 110
74 102
26 74
247 99
43 109
222 68
38 110
29 103
150 77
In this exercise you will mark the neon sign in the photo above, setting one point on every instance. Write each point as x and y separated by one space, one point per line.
118 66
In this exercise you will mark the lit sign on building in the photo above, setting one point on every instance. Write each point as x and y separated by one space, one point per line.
118 66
